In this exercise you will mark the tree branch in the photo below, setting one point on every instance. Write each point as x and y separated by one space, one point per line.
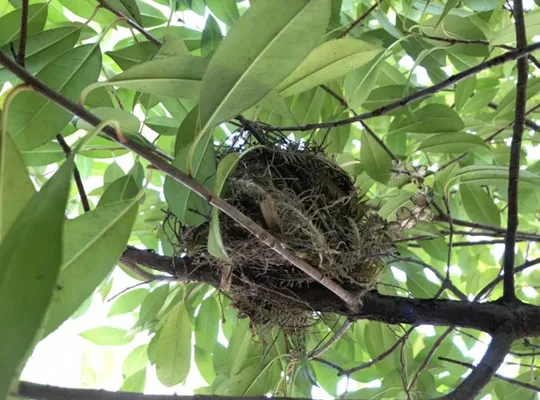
506 57
335 337
150 155
76 174
509 291
501 377
361 18
21 52
481 375
130 22
46 392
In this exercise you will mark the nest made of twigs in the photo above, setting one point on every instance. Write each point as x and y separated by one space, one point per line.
313 207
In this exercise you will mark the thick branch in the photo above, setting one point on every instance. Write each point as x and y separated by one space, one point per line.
481 375
46 392
21 52
159 163
486 317
506 57
509 291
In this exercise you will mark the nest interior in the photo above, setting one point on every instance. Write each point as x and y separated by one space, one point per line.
313 207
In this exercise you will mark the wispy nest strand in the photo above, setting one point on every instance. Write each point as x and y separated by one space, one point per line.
314 208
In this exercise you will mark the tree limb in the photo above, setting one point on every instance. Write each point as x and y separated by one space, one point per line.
46 392
473 384
509 291
506 57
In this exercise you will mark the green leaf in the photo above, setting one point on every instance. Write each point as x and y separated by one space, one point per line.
11 23
112 173
393 203
225 10
152 304
204 362
507 35
16 189
507 105
384 95
42 48
163 125
376 161
433 118
359 84
455 142
479 205
130 56
49 153
128 122
135 360
107 336
207 324
127 7
464 91
239 347
135 383
123 188
190 208
41 223
492 175
127 302
247 66
33 119
92 245
173 354
326 62
211 37
174 76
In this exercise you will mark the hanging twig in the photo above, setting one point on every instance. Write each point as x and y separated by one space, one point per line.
21 53
361 18
506 57
335 337
76 174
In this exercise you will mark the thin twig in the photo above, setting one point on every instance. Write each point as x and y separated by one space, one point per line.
498 376
344 104
428 356
380 357
149 154
509 291
76 174
130 22
506 57
335 337
361 18
528 122
499 278
21 53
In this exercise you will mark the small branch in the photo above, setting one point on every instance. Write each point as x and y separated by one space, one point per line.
380 357
130 22
528 122
482 374
148 277
509 291
21 53
501 377
506 57
335 337
344 104
330 364
428 357
361 18
76 174
46 392
498 279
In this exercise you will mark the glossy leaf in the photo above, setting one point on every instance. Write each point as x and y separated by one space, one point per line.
107 336
326 62
173 356
207 324
452 143
11 23
376 161
33 119
225 10
211 37
479 205
40 222
246 67
433 118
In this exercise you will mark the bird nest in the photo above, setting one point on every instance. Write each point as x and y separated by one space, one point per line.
314 209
